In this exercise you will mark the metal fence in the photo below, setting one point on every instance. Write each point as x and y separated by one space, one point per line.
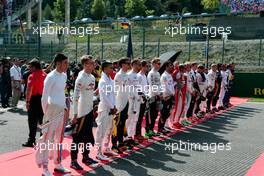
243 52
149 40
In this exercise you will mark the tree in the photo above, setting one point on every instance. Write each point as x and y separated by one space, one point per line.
1 11
75 9
174 6
149 12
211 4
154 6
135 7
59 9
110 8
49 2
85 11
119 8
47 13
98 9
182 6
195 6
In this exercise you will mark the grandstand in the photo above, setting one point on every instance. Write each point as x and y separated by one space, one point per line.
19 7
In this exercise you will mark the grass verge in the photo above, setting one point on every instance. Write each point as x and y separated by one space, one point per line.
256 100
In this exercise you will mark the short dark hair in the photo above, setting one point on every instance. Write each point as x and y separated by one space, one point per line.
194 63
155 60
200 67
167 63
86 58
135 61
144 63
35 63
97 61
106 64
123 60
181 66
15 59
219 65
59 58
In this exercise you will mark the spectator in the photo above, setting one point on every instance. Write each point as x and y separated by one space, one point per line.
97 72
115 70
35 85
5 84
15 73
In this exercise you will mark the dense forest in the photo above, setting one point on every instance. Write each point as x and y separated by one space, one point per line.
99 9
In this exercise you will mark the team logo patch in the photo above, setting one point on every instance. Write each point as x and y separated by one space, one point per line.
90 86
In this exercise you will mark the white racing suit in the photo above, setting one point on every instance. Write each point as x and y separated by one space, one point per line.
189 91
168 92
52 136
223 88
134 103
105 119
202 83
154 103
143 91
121 90
121 101
211 78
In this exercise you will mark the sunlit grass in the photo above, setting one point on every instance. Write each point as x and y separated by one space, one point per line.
256 99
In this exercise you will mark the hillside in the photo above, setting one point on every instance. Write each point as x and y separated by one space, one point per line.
244 53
